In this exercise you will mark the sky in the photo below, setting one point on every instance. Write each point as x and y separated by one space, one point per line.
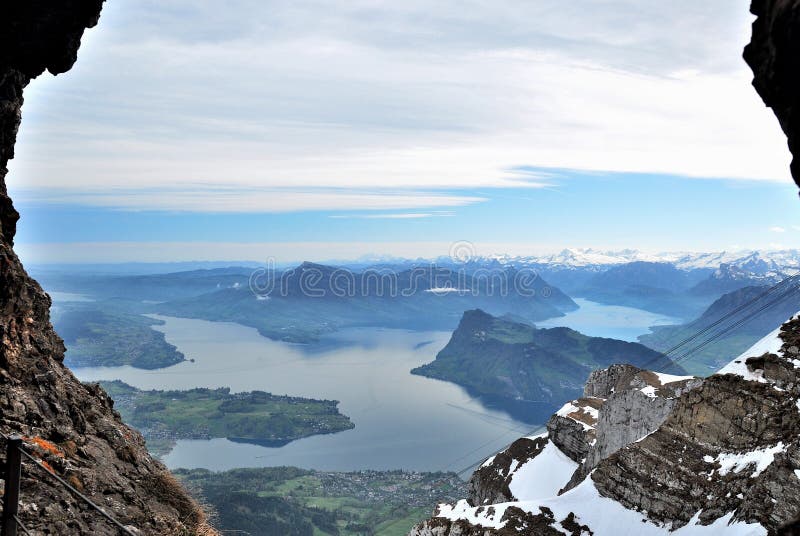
315 130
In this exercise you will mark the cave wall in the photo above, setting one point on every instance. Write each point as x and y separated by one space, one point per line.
71 426
774 56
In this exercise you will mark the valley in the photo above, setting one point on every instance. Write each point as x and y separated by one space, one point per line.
285 501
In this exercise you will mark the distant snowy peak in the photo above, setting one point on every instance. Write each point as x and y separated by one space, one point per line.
755 262
752 262
583 257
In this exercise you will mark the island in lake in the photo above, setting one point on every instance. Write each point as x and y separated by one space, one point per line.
256 417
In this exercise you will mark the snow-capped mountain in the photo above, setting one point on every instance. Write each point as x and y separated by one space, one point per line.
755 261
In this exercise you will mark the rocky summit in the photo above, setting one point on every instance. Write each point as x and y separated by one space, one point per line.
72 428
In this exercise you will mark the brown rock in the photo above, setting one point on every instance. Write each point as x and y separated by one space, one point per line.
71 427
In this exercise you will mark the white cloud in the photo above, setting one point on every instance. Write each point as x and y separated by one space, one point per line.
394 216
253 200
777 229
268 96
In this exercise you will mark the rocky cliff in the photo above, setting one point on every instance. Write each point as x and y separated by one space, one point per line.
70 426
644 453
620 405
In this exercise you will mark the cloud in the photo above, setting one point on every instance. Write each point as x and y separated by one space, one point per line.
777 229
253 200
396 216
365 95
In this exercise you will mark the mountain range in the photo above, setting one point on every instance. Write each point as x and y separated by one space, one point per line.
302 304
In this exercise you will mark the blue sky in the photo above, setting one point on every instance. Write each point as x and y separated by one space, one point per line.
336 129
577 209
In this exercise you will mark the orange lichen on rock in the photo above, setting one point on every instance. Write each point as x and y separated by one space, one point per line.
45 445
47 466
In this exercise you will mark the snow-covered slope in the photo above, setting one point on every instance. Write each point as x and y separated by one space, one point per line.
595 515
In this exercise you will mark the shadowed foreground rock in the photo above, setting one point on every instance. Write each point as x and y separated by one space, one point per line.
774 56
70 426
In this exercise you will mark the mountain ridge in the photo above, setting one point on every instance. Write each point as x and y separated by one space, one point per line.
499 357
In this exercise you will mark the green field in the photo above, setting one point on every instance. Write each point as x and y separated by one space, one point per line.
255 417
286 501
101 335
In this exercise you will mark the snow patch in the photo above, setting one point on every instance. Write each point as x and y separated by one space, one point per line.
671 378
770 344
570 407
604 516
486 516
542 476
566 409
649 391
737 462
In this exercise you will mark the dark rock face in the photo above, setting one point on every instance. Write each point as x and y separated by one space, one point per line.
71 426
726 417
489 483
774 56
570 434
516 521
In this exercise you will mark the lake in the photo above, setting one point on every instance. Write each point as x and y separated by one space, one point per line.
614 321
402 421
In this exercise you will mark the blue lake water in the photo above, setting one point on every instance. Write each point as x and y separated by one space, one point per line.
614 321
402 421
